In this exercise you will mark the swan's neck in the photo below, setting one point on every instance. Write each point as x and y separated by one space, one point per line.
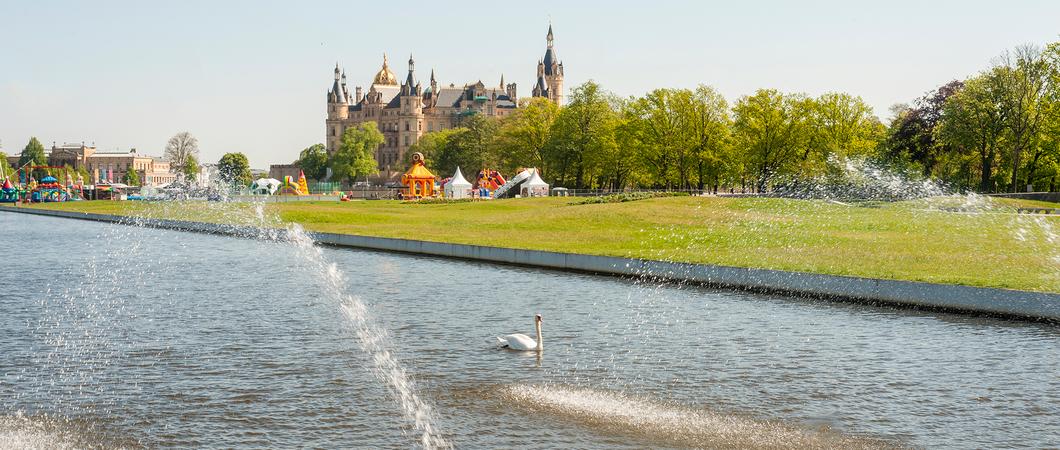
539 343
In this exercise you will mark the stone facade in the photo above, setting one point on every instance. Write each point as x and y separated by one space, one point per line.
407 110
111 166
278 171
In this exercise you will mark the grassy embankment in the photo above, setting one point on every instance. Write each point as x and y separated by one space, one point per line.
903 240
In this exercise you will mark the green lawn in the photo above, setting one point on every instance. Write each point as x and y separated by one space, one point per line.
905 240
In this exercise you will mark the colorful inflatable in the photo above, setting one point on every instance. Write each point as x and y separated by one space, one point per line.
488 181
291 187
49 190
8 193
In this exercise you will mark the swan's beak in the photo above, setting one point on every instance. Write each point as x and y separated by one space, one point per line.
537 317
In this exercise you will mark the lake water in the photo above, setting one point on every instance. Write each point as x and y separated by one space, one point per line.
120 336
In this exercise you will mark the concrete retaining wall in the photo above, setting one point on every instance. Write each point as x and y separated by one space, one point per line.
1042 196
1004 302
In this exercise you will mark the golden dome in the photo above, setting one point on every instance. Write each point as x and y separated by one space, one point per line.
385 76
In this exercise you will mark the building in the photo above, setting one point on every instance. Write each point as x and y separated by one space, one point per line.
111 167
278 171
207 174
405 111
549 74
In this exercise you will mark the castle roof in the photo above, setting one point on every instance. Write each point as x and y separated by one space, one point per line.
385 77
550 57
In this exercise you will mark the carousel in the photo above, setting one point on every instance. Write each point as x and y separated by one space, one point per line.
418 181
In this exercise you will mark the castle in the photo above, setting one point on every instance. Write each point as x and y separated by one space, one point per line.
406 111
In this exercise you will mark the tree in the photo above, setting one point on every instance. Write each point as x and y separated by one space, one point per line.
707 127
431 146
582 140
313 160
1025 84
470 147
769 130
653 129
131 178
973 121
840 126
911 140
522 136
5 167
33 154
179 148
190 168
234 169
355 157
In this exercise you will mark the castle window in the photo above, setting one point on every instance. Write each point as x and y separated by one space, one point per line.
406 141
407 123
430 126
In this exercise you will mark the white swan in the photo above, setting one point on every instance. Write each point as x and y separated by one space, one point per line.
521 341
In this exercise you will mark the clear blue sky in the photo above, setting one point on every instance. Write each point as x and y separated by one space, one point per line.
251 76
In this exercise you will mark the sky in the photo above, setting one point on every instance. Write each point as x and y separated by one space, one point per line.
252 76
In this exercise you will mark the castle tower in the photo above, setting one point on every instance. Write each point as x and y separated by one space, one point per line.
338 97
553 70
411 112
338 110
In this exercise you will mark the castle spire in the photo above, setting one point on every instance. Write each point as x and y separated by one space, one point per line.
502 81
410 80
549 36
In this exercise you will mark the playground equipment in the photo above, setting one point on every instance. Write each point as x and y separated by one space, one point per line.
48 191
487 182
418 181
538 189
292 187
9 193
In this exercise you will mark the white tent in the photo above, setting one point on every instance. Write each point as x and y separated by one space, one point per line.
265 186
534 187
458 186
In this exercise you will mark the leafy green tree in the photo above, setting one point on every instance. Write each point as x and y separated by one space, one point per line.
471 147
355 156
1025 83
973 121
522 136
582 144
313 160
234 169
911 139
33 154
654 130
707 129
190 168
5 166
769 130
131 178
840 126
431 146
